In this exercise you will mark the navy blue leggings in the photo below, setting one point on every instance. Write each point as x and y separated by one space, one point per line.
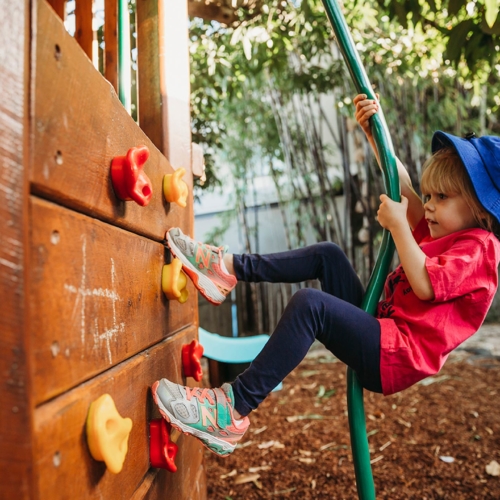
332 316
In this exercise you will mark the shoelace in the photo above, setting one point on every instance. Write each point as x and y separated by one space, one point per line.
199 394
213 247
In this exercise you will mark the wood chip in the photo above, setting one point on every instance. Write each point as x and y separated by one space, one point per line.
270 444
229 474
493 468
384 446
258 431
328 445
245 444
296 418
403 422
258 469
246 478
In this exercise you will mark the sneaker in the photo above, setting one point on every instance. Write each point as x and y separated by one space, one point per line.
206 414
203 264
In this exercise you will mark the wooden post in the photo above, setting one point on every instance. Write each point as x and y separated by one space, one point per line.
175 87
60 7
84 33
16 408
148 72
111 42
164 91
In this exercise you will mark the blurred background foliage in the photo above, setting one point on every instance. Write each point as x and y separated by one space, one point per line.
263 90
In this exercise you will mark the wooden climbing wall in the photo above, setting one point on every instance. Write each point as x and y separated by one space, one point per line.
82 310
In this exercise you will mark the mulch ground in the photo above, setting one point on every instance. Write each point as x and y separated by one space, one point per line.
434 441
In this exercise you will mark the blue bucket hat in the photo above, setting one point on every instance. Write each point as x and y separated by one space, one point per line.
481 158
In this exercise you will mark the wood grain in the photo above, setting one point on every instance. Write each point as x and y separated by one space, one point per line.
84 33
79 126
188 483
96 297
111 42
150 114
15 410
64 464
60 7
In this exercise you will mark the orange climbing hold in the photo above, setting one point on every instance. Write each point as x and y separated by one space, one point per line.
175 189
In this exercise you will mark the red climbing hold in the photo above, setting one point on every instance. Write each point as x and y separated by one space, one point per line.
191 360
130 182
162 451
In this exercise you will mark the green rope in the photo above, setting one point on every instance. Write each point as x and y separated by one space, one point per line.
357 423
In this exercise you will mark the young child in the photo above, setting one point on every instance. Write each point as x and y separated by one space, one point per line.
436 298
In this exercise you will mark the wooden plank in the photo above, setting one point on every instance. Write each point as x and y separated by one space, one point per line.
16 408
60 7
148 72
62 457
84 32
96 297
80 125
111 42
188 483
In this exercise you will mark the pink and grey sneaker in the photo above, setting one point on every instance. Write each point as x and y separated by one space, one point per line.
206 414
203 264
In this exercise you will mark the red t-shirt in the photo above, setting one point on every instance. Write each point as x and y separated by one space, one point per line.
418 335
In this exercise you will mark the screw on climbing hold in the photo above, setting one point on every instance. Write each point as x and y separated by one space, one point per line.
162 451
191 360
174 281
175 189
130 182
107 433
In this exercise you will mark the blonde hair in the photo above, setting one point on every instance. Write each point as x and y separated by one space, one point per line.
444 172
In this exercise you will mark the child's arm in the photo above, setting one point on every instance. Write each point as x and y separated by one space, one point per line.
393 217
365 109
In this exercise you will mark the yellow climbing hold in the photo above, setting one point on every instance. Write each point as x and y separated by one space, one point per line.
107 433
174 281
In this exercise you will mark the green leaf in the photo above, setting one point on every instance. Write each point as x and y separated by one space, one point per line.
491 11
432 5
329 393
454 6
458 37
401 14
490 30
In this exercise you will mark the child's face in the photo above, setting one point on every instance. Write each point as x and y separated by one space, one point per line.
447 213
